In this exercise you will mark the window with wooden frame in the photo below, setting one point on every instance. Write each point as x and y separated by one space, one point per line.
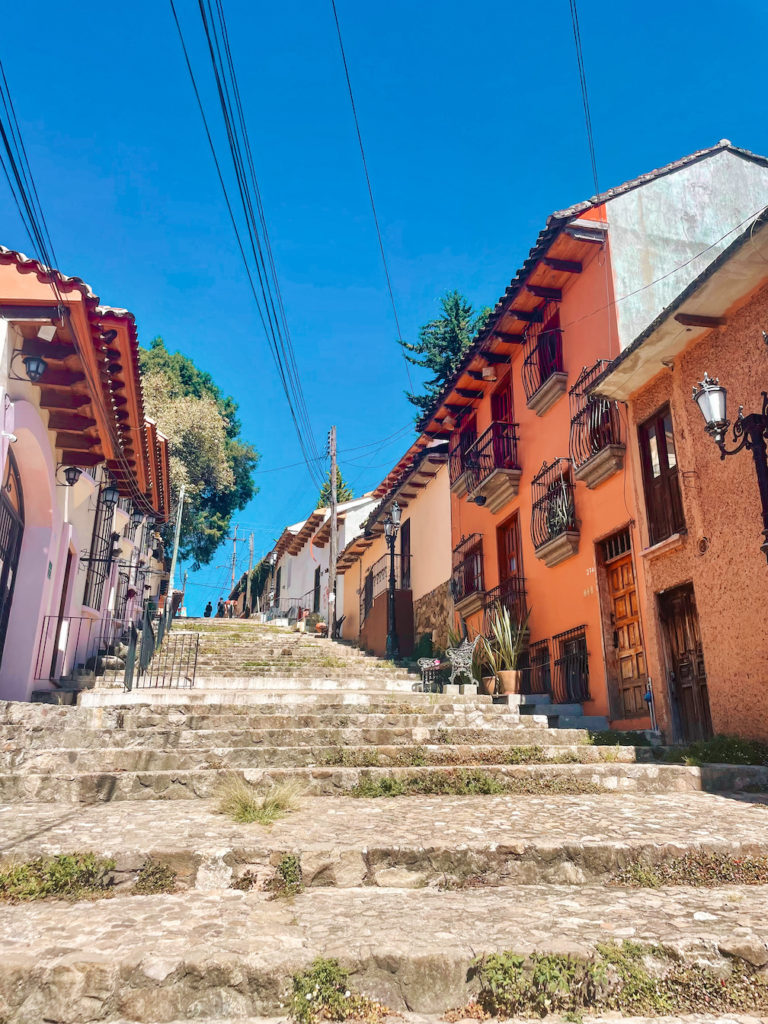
663 501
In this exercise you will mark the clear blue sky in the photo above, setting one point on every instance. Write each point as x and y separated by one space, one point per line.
474 131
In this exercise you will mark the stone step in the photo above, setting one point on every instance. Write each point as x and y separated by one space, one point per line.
445 842
595 723
289 683
426 1018
158 958
272 694
549 709
195 757
72 786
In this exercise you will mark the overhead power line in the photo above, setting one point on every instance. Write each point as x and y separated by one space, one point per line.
370 190
252 234
584 94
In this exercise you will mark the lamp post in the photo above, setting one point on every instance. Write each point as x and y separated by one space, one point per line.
391 526
750 432
272 562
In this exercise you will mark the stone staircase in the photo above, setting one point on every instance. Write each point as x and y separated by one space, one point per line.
510 836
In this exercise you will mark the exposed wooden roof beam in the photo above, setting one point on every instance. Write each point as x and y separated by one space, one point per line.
61 378
496 357
76 442
509 339
82 458
59 419
695 320
567 266
46 349
468 393
34 314
62 400
531 316
552 294
586 233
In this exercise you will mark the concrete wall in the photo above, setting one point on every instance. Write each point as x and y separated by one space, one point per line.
720 554
658 227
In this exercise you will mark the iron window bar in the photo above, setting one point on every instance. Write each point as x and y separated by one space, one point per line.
510 594
100 557
467 575
377 581
496 448
537 669
570 684
553 512
463 441
543 353
595 421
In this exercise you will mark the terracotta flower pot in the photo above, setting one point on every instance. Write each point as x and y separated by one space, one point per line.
509 681
488 685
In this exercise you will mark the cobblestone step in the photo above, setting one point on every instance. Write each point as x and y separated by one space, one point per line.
245 695
425 1018
438 841
292 755
72 786
158 958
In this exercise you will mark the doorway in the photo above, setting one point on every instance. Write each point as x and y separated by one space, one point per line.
685 663
627 639
11 533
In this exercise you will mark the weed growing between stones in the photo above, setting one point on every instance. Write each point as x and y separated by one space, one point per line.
247 881
68 876
616 738
287 880
323 993
344 758
469 782
635 979
243 803
719 750
697 868
154 877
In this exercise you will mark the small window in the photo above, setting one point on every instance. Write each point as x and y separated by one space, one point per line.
663 500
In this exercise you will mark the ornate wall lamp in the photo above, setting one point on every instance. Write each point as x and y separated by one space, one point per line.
391 527
71 475
34 367
750 432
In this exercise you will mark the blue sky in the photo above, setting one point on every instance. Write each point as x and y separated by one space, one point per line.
474 131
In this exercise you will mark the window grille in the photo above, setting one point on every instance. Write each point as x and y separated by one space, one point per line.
553 512
100 559
617 545
543 351
467 576
571 675
595 422
536 668
510 594
496 448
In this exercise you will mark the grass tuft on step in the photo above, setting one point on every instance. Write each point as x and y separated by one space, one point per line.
719 750
698 868
245 804
469 782
322 992
154 877
68 876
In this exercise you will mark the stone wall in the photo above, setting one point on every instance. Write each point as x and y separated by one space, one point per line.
433 613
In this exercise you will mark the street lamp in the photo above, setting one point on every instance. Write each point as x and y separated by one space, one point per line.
750 432
391 526
272 562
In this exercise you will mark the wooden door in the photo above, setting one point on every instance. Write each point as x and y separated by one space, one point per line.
510 562
627 638
685 660
501 401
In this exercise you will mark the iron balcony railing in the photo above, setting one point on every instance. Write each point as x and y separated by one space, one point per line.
377 581
553 512
595 422
495 449
570 684
461 444
536 669
509 594
543 357
71 642
467 575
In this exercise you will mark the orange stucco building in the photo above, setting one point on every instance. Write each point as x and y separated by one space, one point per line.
543 515
700 517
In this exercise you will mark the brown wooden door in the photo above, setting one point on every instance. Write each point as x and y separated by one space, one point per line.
627 638
685 658
501 401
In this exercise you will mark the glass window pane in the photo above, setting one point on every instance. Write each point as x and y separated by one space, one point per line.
669 440
653 449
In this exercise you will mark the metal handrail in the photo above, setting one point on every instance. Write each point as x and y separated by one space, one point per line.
543 357
496 448
553 512
595 421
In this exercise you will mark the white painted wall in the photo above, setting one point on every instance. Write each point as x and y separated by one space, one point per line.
656 228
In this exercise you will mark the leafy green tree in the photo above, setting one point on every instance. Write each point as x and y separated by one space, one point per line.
343 491
442 344
206 452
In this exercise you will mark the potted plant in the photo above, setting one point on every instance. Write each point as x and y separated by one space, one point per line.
489 662
507 644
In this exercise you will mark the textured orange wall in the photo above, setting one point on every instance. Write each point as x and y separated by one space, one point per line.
722 504
565 596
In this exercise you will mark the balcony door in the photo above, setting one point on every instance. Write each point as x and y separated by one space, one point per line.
502 408
11 533
510 559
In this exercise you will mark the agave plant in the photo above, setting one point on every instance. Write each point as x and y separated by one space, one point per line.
509 638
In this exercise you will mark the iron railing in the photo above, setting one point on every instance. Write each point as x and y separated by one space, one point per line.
509 594
71 642
536 669
496 448
543 357
173 662
570 683
462 442
595 422
553 512
377 581
467 575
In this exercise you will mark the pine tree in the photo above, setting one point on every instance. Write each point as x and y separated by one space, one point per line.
442 344
343 491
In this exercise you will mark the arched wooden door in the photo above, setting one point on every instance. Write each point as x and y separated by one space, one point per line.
11 533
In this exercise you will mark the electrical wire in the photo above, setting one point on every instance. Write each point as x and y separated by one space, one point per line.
584 94
370 191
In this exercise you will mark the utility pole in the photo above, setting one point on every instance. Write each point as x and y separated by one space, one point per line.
248 577
177 534
334 539
234 559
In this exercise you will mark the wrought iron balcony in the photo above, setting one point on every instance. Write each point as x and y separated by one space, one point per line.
595 443
537 669
544 378
467 586
554 529
377 581
458 470
570 684
493 471
509 594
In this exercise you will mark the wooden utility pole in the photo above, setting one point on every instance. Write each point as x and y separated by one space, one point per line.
234 559
248 577
334 537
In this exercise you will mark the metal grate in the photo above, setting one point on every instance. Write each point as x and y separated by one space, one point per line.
595 422
617 545
571 675
543 351
377 581
496 448
99 560
511 595
467 575
553 511
537 669
173 664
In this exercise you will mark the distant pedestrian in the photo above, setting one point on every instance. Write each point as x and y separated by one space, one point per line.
208 610
220 609
230 609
